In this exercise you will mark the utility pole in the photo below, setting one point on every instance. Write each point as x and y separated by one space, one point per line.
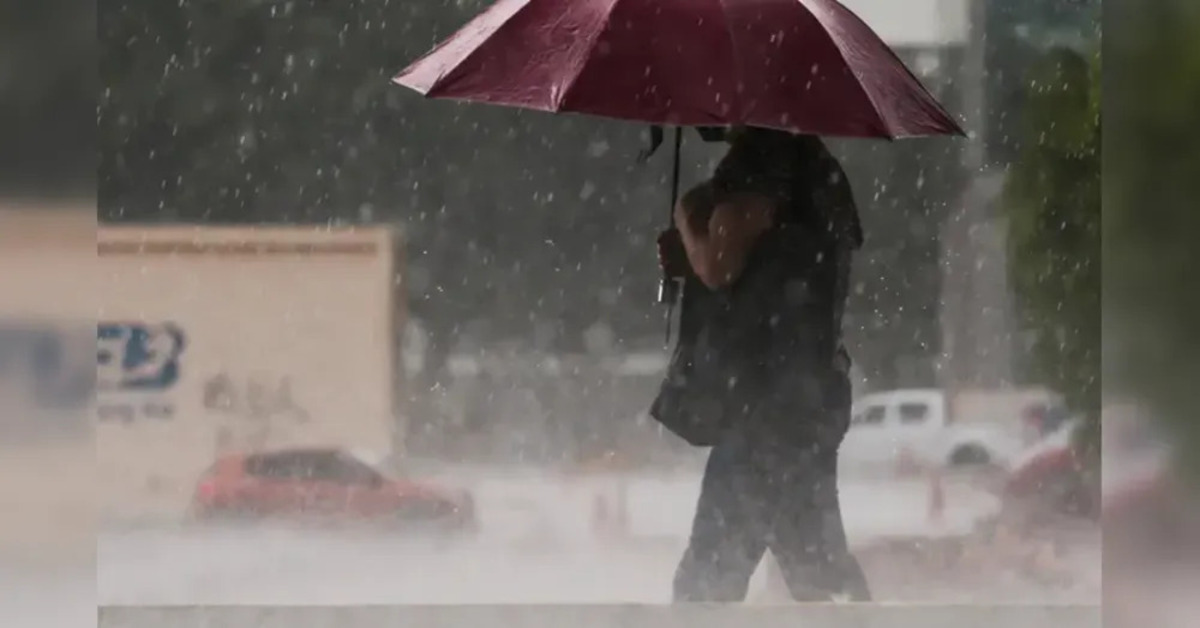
959 348
974 86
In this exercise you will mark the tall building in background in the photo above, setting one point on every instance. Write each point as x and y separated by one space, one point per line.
975 307
904 191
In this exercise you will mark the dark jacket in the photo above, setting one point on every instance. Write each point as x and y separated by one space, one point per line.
763 355
782 333
685 404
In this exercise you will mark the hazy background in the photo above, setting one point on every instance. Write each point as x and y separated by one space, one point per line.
270 112
194 126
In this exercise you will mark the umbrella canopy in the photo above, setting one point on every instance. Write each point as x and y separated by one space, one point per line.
806 66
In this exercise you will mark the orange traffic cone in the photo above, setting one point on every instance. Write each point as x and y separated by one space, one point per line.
602 524
609 514
599 510
622 514
907 465
937 498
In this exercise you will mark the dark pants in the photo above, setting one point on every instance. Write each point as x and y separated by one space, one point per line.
765 495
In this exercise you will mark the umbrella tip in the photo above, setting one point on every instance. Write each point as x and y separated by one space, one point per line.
961 131
404 79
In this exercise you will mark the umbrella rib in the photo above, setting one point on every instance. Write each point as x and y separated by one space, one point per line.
577 71
934 102
831 28
439 84
740 106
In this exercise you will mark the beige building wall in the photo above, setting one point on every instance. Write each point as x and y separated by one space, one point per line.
46 260
287 340
304 315
47 477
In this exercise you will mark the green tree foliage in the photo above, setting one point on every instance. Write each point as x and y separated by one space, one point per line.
1151 192
1019 32
1054 201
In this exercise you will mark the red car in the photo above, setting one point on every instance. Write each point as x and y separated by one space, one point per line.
324 484
1049 477
1134 462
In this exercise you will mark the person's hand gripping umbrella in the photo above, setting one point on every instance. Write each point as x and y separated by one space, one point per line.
805 66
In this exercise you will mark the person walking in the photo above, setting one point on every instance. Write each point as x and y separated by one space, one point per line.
760 374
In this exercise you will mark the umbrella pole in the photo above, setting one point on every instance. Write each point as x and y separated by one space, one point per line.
669 288
675 173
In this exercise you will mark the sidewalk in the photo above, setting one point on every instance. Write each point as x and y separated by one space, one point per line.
984 568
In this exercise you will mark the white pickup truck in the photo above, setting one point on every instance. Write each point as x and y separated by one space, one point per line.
928 427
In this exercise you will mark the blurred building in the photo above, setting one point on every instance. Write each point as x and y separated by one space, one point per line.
216 340
979 327
47 368
905 191
916 23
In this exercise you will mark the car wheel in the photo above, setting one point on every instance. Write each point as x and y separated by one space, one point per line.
1073 497
213 517
970 456
423 514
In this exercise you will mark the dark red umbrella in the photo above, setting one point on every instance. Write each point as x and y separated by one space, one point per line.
807 66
